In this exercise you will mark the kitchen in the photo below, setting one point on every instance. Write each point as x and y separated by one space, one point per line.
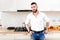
10 17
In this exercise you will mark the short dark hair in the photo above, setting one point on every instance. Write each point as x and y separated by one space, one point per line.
33 3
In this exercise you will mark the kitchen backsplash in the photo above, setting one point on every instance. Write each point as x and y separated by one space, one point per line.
18 18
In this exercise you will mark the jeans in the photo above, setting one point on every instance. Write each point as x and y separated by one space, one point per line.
37 36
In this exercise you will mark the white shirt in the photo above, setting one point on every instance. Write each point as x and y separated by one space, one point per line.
37 23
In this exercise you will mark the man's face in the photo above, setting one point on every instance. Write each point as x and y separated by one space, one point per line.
34 8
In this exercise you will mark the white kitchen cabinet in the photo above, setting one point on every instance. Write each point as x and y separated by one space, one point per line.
23 4
1 36
14 5
43 5
7 5
7 36
14 36
22 37
52 36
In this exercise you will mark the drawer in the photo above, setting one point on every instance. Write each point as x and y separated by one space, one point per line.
21 36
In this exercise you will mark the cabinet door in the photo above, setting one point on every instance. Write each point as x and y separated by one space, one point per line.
6 36
43 5
9 36
7 5
23 4
1 36
22 37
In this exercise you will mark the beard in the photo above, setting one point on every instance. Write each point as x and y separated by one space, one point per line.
34 11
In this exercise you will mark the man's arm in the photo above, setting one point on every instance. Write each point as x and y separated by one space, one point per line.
46 28
27 22
47 22
47 25
27 27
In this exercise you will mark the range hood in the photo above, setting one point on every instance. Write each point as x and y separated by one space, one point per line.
24 10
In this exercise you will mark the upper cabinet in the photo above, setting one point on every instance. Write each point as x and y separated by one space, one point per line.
43 5
23 4
7 5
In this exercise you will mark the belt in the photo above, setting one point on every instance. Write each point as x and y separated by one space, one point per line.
37 31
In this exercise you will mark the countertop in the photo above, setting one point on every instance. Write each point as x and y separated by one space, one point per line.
12 32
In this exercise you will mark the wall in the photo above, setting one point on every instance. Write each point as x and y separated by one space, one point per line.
13 18
0 17
16 19
54 17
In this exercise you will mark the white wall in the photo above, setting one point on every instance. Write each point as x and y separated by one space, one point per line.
13 18
54 17
16 19
0 17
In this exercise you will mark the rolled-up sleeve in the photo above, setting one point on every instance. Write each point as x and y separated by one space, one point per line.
27 20
46 18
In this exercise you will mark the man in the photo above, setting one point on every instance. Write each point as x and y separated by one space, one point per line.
36 19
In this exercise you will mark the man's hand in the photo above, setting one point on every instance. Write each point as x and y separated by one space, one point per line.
30 32
46 31
47 25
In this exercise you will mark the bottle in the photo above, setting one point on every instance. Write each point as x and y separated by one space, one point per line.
0 27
